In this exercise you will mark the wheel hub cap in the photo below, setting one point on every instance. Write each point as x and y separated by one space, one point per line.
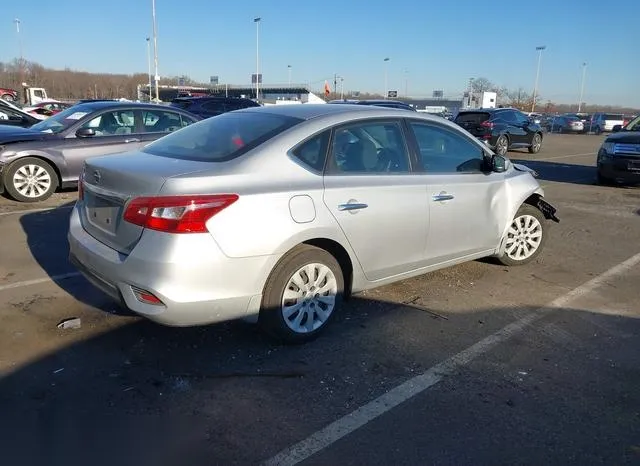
309 298
31 180
523 237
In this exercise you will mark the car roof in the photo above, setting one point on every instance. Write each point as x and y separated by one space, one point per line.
486 110
102 105
311 111
206 97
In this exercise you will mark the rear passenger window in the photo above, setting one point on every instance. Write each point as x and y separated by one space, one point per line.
313 152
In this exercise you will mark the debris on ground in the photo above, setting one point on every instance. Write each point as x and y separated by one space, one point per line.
73 323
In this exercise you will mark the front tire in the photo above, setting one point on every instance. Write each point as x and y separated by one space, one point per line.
502 145
30 180
302 295
525 237
602 180
8 98
536 144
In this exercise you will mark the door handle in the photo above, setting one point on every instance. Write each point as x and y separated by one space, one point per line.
443 197
127 141
352 206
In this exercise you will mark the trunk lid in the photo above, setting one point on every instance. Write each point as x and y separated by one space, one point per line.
110 182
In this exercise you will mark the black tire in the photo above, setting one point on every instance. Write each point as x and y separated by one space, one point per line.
502 145
525 210
603 180
8 98
536 144
42 187
271 317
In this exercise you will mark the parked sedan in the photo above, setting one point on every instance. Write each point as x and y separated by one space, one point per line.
11 115
35 162
502 128
277 213
565 124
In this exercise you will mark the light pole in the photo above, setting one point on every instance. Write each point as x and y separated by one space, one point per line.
257 21
540 48
17 21
406 83
386 77
289 70
341 88
156 78
149 64
584 72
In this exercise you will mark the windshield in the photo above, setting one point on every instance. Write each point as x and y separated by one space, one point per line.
63 120
633 125
221 138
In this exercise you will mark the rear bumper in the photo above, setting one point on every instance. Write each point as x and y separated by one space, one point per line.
199 289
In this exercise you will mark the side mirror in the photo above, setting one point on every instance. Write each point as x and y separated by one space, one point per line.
85 132
498 164
617 128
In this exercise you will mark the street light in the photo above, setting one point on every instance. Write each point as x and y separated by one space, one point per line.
386 77
156 78
406 83
17 21
584 71
289 69
257 21
149 64
540 48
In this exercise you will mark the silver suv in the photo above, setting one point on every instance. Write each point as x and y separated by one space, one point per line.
604 122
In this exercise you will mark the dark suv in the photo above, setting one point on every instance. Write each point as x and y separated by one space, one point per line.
206 107
502 128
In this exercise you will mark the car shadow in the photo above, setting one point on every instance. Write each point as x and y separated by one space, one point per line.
225 394
561 172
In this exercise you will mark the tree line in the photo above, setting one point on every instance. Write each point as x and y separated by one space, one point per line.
67 84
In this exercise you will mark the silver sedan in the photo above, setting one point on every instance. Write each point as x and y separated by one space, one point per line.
275 214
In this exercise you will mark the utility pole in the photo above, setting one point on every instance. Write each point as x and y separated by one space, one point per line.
24 92
257 21
341 88
406 83
535 88
289 69
584 71
155 50
149 64
386 77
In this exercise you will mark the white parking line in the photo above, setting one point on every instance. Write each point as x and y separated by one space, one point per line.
44 209
412 387
55 278
562 157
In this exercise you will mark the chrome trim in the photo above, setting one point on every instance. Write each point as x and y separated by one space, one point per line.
443 197
111 195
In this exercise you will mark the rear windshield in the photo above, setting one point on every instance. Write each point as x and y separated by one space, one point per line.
221 138
472 117
613 116
184 104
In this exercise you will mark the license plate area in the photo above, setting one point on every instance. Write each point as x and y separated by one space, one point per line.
102 213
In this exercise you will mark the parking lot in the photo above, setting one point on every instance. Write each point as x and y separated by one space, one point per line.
475 364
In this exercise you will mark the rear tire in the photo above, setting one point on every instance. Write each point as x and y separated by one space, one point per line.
525 237
502 145
30 180
302 295
536 144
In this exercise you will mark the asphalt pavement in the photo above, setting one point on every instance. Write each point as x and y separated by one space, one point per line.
475 364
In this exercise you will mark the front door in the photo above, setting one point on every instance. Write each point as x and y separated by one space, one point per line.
115 132
466 203
374 197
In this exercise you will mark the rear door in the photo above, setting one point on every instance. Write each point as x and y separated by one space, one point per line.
467 206
158 123
376 200
514 127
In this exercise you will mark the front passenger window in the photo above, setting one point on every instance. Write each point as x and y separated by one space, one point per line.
444 151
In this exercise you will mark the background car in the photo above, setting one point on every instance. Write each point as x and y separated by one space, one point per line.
377 103
47 108
206 107
34 162
345 198
619 155
502 128
564 124
601 122
11 115
8 95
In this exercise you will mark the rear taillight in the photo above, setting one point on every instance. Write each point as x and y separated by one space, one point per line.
487 124
80 186
177 214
